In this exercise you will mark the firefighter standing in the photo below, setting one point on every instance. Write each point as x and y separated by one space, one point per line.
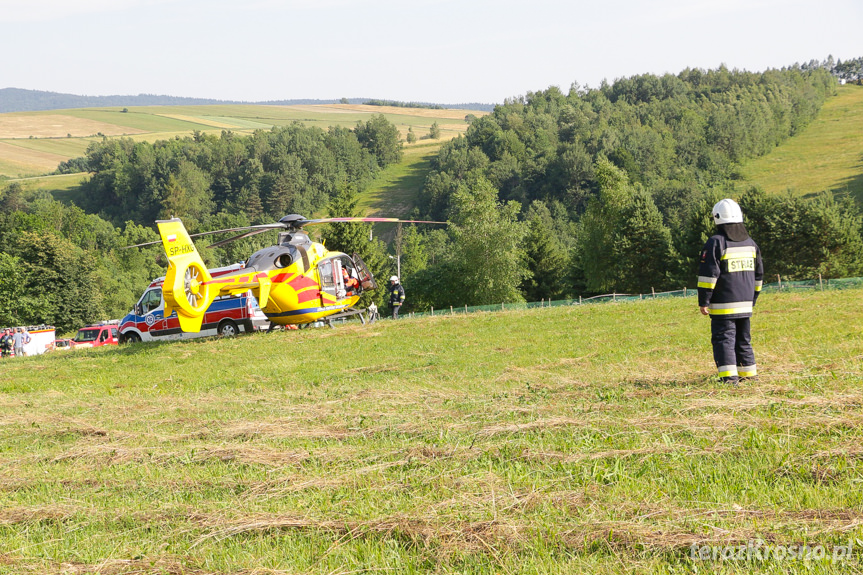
397 295
6 343
729 281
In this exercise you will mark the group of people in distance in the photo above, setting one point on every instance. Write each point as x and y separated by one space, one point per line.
12 342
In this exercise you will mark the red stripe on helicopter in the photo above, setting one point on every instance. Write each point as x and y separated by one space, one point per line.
308 295
327 298
302 282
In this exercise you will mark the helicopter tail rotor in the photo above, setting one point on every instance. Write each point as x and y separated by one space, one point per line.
187 288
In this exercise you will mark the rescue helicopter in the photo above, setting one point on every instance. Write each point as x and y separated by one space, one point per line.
296 282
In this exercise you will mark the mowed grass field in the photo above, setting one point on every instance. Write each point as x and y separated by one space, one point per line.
826 156
34 143
584 439
396 190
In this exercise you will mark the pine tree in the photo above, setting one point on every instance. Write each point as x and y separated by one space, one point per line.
546 260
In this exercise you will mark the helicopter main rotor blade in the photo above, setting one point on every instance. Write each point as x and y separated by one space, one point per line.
241 236
295 225
373 220
259 228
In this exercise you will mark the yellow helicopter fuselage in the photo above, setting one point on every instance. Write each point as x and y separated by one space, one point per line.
295 282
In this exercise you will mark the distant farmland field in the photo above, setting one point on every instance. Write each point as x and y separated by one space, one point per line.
33 143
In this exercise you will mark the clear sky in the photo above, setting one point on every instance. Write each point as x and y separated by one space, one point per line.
444 51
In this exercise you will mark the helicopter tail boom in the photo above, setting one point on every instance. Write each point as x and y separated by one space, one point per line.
187 287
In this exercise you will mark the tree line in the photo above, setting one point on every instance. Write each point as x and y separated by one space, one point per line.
609 189
64 264
552 195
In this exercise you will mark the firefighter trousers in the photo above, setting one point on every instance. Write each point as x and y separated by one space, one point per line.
732 348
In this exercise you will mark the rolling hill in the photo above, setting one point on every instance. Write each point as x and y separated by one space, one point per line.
19 100
34 143
826 156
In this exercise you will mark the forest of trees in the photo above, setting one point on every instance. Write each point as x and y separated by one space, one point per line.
552 195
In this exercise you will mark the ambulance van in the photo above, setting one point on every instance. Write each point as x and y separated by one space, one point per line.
227 315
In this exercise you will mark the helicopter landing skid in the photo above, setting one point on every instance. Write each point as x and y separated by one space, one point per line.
347 313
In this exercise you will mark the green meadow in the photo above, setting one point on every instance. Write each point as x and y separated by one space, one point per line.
826 156
580 439
396 191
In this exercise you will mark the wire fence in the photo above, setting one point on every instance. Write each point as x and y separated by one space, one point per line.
778 286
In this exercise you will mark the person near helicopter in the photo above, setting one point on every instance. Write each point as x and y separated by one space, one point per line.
6 343
352 284
397 295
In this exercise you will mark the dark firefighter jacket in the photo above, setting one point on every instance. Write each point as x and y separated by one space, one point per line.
729 277
397 294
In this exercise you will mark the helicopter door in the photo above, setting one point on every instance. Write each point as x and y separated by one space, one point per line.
332 284
367 280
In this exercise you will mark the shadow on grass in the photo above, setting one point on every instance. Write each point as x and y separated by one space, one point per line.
850 187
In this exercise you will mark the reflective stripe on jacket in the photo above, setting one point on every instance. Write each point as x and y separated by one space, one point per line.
397 294
729 277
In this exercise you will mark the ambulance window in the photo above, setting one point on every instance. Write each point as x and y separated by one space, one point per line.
151 300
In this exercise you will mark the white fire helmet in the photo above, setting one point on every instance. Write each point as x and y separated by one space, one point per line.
727 212
394 279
